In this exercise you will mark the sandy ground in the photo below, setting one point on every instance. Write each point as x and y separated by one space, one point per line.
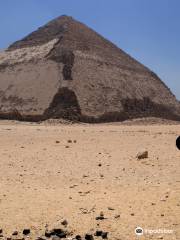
45 179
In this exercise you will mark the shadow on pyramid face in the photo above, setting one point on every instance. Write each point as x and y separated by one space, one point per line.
64 105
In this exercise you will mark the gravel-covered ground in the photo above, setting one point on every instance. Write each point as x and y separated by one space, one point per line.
89 175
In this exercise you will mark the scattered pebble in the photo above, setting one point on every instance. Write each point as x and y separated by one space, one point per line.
26 231
111 209
15 233
78 237
64 222
89 236
142 155
101 216
104 235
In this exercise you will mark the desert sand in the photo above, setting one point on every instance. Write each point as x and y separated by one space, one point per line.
52 172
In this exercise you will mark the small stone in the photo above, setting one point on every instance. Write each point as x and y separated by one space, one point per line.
98 233
69 141
85 176
111 209
75 141
132 214
64 222
1 231
163 200
26 231
117 216
142 155
99 165
101 216
48 233
62 235
89 236
57 141
56 231
66 146
104 235
78 237
15 233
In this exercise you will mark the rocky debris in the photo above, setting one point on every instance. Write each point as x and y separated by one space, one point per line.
102 234
142 155
26 231
89 236
98 233
78 237
48 234
57 234
111 209
64 222
15 233
101 216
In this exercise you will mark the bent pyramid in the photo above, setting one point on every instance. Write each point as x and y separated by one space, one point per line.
66 70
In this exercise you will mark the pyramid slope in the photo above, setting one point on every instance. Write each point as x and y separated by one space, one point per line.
65 69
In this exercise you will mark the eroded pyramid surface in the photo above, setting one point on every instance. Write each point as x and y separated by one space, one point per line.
67 70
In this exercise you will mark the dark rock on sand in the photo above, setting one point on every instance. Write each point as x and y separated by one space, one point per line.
64 222
104 235
15 233
78 237
26 231
98 233
89 236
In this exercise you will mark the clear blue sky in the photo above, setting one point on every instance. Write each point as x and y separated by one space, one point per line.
149 30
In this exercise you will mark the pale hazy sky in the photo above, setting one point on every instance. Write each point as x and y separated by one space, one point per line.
149 30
